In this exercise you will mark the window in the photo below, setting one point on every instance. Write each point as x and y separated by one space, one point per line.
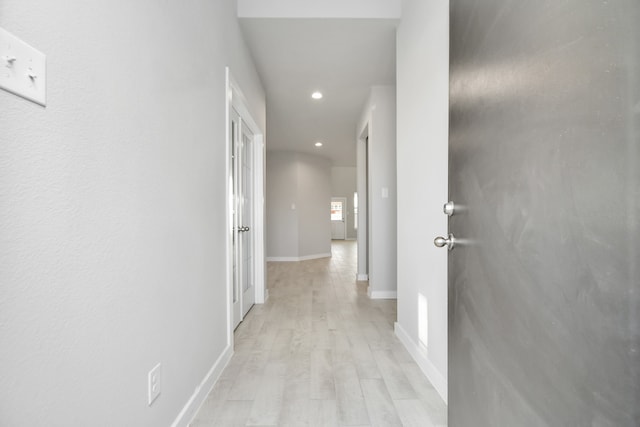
336 211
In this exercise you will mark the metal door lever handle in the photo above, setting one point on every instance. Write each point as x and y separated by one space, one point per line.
449 242
243 229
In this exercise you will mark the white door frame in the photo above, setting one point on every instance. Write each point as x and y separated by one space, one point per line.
236 100
362 185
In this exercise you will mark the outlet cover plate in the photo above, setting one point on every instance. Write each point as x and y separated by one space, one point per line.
22 69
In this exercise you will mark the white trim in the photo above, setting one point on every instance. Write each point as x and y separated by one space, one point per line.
362 180
421 357
316 256
229 209
362 277
382 294
296 259
192 407
240 103
259 218
351 239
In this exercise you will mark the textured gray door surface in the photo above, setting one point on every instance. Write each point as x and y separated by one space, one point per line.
544 311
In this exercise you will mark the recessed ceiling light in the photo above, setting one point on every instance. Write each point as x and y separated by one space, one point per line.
316 95
318 144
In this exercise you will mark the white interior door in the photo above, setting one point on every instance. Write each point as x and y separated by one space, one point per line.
243 219
245 208
338 218
236 249
245 211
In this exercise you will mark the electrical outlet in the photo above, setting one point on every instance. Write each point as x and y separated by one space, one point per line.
155 383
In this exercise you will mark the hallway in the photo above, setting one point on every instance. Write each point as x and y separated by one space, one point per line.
321 353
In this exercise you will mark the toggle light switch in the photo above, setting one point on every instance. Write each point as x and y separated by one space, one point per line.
22 69
9 60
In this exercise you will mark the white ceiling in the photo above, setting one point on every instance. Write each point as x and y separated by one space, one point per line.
342 58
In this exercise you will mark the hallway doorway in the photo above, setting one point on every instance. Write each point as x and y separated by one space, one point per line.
245 202
242 177
338 218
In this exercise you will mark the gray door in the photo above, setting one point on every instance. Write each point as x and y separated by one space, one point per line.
544 282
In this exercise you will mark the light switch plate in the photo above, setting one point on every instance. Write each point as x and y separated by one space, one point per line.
22 69
154 383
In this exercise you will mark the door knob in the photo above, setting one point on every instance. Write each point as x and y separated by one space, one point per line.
449 242
449 208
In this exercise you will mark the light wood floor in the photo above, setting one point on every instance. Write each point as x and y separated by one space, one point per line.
321 353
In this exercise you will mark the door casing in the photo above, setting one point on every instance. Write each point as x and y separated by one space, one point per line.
235 100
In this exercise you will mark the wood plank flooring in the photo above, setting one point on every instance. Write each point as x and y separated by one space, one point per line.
321 353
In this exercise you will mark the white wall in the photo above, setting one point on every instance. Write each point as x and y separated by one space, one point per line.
343 184
379 118
314 206
112 213
422 147
319 9
304 181
281 193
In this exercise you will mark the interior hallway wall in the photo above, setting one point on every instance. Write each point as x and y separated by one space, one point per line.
423 113
112 212
384 9
379 120
314 206
343 184
298 203
281 199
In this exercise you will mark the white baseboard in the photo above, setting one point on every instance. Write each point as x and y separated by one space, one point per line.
362 277
296 259
316 256
421 357
202 391
382 294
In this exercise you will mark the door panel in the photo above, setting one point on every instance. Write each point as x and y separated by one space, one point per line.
544 289
236 234
338 218
246 217
242 186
